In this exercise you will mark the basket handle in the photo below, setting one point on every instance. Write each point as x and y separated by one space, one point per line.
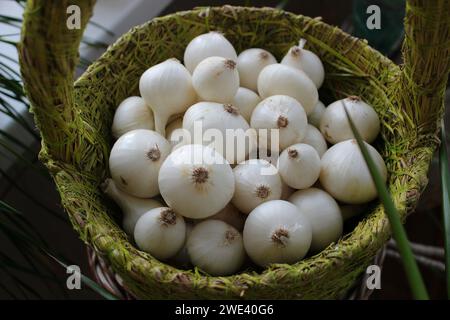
48 55
426 54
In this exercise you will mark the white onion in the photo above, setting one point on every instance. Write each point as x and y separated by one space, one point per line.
230 215
132 113
176 135
283 113
305 60
167 89
246 100
196 181
256 181
160 232
181 258
323 213
315 139
216 248
315 116
216 79
276 79
276 232
207 45
132 208
299 166
214 120
336 128
250 62
135 160
345 175
286 191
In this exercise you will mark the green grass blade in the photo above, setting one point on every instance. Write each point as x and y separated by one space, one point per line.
413 274
91 284
445 184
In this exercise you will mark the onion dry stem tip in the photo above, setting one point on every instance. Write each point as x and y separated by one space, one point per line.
280 236
168 217
200 175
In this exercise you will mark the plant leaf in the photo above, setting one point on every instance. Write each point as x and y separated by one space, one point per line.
445 184
413 274
91 284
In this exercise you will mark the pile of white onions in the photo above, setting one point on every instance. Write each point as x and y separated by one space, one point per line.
190 203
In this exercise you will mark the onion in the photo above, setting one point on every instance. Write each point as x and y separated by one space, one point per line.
336 128
299 166
250 62
221 127
345 175
283 113
305 60
135 160
196 181
277 232
323 213
216 79
207 45
216 248
257 181
167 89
132 113
279 79
160 232
246 100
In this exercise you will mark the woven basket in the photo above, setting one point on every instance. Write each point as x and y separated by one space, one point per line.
75 121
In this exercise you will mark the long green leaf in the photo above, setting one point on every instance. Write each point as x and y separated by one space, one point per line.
445 184
91 284
409 263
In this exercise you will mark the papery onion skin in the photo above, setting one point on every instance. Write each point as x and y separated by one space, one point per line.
216 247
132 207
167 89
207 45
323 213
250 62
345 175
161 237
315 139
279 79
316 115
196 181
334 124
307 61
181 259
216 79
132 113
246 100
231 215
135 160
283 113
265 222
220 118
256 181
299 166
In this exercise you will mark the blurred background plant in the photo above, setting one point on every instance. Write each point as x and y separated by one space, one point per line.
35 235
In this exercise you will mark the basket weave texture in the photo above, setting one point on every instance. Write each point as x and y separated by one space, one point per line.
75 121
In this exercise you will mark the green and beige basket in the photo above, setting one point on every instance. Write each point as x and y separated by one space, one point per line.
75 121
